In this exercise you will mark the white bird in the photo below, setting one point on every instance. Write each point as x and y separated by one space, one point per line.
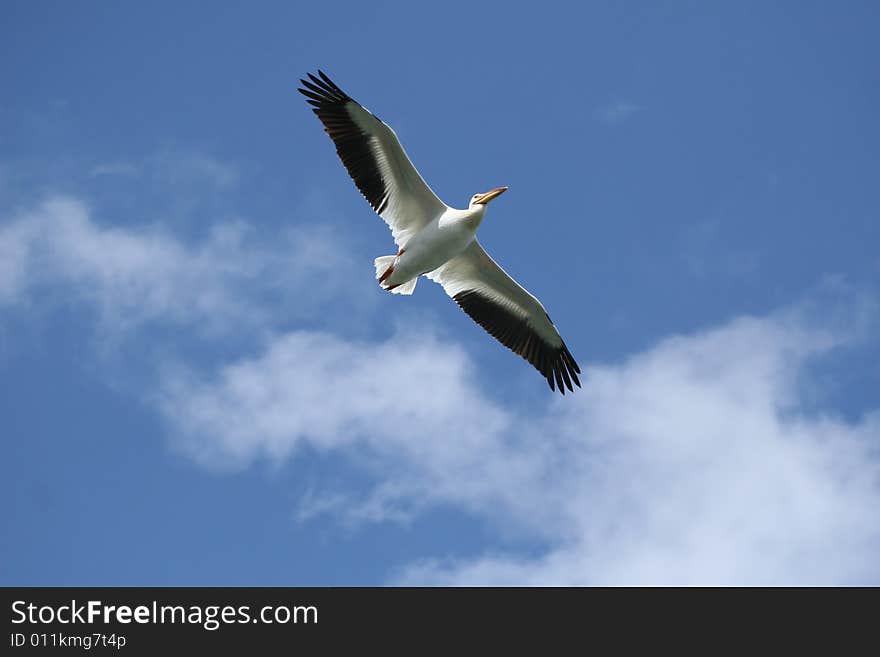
434 239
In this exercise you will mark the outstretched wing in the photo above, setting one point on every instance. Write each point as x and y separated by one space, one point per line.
375 160
509 313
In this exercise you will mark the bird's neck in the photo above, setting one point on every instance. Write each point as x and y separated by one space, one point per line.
473 216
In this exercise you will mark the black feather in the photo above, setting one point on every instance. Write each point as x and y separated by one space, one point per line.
513 331
352 144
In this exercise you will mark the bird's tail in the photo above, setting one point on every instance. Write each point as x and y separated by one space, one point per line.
384 269
404 288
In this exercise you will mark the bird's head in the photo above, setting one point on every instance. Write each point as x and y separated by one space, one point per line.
483 199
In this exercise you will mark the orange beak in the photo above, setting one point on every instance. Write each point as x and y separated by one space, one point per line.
488 196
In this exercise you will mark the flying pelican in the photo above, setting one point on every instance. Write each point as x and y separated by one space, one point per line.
434 239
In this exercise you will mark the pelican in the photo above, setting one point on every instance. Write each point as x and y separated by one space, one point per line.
435 240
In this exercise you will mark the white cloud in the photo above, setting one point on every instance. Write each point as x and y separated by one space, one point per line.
317 389
703 460
132 275
696 462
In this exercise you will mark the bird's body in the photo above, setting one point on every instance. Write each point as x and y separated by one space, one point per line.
434 239
442 239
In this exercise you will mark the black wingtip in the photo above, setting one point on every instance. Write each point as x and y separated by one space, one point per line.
324 77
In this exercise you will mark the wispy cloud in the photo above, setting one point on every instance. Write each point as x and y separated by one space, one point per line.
132 275
178 167
616 111
125 169
704 459
173 168
343 393
697 461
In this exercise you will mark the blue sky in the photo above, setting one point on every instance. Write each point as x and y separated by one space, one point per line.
190 331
